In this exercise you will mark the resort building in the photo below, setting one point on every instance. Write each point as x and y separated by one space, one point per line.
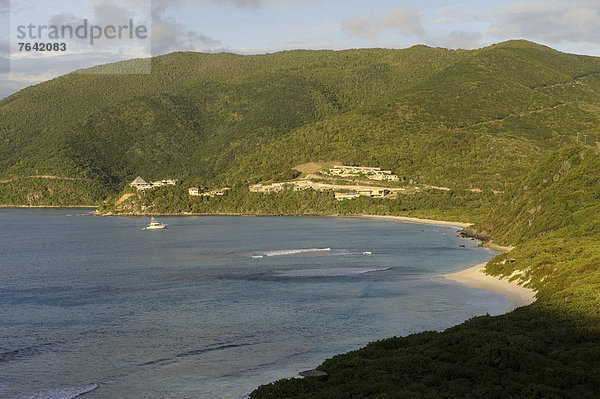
270 188
384 175
342 170
214 193
299 185
374 193
195 191
142 184
161 183
366 192
345 196
370 172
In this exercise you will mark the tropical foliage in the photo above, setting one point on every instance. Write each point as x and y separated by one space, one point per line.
463 119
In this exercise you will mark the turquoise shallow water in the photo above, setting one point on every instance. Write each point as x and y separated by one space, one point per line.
212 306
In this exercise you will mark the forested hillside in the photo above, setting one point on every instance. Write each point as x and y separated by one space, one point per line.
462 119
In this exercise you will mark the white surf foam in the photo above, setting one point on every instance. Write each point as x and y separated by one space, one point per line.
284 252
333 272
63 393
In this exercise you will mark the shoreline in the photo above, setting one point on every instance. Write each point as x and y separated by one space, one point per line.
417 220
408 219
475 277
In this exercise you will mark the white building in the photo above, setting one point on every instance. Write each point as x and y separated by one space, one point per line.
140 184
370 172
345 196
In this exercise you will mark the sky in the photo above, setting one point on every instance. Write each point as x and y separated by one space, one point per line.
264 26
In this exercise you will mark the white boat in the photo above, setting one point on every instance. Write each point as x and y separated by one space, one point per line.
155 225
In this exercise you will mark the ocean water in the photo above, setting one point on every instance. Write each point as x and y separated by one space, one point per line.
212 307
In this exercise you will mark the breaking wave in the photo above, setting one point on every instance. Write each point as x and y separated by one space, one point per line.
284 252
332 272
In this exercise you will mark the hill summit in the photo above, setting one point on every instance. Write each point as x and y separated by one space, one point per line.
456 118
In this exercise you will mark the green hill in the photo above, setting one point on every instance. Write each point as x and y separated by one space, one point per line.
477 118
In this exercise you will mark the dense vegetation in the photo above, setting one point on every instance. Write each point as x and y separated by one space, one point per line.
461 119
35 191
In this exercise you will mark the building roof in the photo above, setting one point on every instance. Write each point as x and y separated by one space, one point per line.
139 180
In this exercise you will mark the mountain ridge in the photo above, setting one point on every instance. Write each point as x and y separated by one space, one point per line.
210 117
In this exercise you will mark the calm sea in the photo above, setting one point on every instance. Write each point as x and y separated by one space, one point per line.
212 307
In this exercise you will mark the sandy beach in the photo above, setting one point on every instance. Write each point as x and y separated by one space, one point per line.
419 221
474 277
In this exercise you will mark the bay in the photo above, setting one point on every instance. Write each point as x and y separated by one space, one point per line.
212 306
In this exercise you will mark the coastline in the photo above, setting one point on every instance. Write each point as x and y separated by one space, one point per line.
407 219
475 277
387 217
418 220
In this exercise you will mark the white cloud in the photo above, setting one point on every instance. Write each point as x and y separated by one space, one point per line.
13 82
402 20
456 13
59 63
462 40
4 36
108 13
169 35
250 3
239 3
553 22
104 15
24 78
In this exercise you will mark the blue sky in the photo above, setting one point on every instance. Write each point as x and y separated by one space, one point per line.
259 26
